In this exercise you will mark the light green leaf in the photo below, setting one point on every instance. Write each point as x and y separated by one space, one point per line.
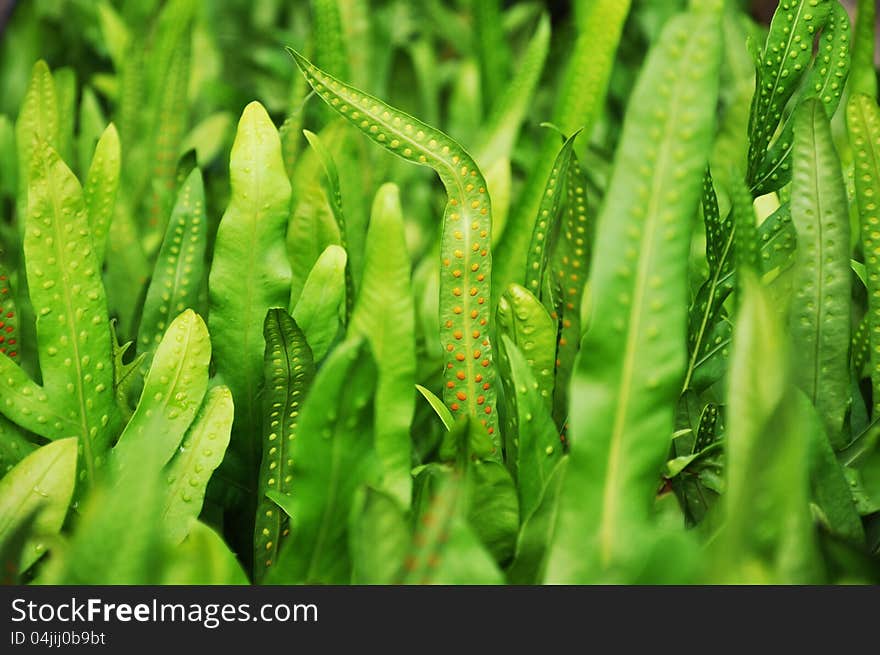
250 272
820 321
385 317
633 357
199 454
317 311
44 482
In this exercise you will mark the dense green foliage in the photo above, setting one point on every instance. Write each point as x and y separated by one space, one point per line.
454 292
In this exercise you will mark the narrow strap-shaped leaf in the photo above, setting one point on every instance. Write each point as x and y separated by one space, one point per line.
169 128
704 312
536 532
126 264
767 535
571 264
65 92
784 60
102 184
746 245
385 317
44 481
830 490
547 218
92 124
706 429
37 121
180 267
494 53
864 70
334 193
331 52
820 321
289 369
709 332
8 158
200 453
437 405
68 299
825 81
633 355
332 457
525 321
312 229
129 108
319 308
465 243
498 135
538 447
173 392
579 102
115 33
863 120
464 103
718 230
250 272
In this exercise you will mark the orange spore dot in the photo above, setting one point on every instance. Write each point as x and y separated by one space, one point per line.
460 395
